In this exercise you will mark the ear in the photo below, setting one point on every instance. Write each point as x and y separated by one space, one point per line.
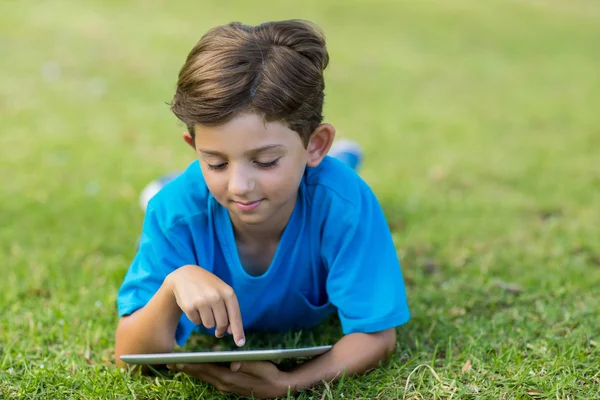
189 140
319 144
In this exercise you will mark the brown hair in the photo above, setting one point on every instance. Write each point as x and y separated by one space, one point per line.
274 69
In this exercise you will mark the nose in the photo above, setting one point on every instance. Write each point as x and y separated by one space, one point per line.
241 182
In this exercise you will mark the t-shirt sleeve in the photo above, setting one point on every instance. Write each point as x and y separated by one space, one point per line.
364 281
161 251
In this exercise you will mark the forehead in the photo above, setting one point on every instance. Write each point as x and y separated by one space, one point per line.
243 133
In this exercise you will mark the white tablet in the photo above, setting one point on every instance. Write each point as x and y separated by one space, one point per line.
223 356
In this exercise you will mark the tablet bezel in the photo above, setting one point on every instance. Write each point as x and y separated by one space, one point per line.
223 356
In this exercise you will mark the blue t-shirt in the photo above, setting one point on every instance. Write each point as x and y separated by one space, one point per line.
336 253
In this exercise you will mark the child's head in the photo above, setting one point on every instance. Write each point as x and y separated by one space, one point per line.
274 70
252 100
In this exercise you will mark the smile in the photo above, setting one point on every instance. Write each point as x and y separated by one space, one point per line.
245 207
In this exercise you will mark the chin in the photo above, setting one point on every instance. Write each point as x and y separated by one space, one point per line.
250 219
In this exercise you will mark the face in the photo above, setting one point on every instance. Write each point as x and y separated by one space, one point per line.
253 168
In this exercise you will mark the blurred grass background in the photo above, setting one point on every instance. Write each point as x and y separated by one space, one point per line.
482 136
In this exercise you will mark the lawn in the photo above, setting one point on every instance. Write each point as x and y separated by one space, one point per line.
481 126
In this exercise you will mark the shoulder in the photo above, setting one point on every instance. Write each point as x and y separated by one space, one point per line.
333 185
182 198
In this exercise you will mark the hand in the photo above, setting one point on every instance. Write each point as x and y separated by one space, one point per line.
207 300
261 379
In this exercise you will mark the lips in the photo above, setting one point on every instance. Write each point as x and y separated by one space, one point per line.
247 206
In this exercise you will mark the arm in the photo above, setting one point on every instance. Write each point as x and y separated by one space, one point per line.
353 354
150 329
203 297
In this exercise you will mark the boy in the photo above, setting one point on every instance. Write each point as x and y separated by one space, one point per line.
265 232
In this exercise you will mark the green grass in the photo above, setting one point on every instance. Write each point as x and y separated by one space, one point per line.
482 133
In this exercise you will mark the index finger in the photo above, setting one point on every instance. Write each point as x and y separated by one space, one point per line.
235 318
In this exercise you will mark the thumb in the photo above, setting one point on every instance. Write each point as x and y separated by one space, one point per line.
235 366
256 368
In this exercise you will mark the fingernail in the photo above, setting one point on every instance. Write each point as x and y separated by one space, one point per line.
235 366
241 342
179 366
170 366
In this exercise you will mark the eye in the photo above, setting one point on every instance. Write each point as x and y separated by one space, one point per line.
216 167
267 165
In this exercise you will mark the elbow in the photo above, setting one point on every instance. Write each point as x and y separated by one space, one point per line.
389 343
125 344
120 342
120 363
128 342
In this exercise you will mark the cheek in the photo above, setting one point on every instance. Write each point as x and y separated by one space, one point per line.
283 183
216 185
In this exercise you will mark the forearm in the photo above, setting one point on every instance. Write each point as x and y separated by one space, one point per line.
150 329
353 354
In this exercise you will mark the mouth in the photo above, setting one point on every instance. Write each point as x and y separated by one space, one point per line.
247 205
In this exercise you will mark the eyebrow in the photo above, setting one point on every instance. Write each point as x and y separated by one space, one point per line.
249 152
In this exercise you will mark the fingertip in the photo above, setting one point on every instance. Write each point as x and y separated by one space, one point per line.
239 336
229 330
235 366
